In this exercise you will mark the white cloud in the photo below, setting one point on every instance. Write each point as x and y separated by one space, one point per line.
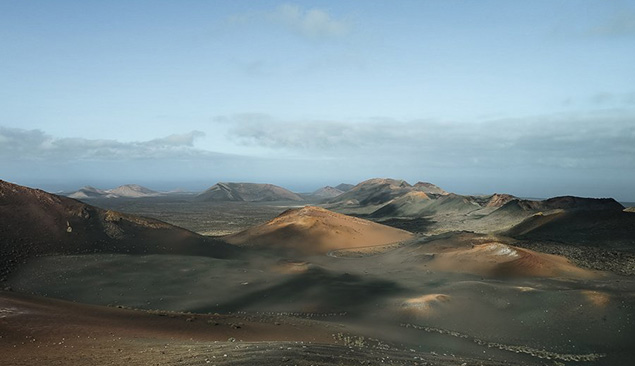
310 23
588 141
186 139
621 25
592 154
314 23
19 144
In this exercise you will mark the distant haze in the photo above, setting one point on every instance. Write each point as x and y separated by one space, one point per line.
534 99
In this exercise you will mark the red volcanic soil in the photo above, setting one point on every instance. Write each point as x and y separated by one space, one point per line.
314 230
40 331
499 199
488 256
43 331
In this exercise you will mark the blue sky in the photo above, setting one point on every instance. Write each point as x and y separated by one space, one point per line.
531 98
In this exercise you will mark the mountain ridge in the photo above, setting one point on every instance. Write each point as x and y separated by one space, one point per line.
248 192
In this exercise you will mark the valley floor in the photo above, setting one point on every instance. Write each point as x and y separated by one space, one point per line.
450 299
40 331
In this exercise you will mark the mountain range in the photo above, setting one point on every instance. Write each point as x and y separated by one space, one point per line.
125 191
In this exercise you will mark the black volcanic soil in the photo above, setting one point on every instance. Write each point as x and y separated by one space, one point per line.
45 331
386 296
592 257
205 218
458 298
418 225
599 228
36 223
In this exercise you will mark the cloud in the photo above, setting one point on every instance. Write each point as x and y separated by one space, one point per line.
35 158
620 25
310 23
313 23
262 130
20 144
572 141
629 99
589 154
177 140
602 99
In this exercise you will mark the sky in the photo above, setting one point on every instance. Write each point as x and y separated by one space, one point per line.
535 99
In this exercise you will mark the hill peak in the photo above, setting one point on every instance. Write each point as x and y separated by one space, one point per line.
429 188
315 230
327 192
133 191
383 181
249 192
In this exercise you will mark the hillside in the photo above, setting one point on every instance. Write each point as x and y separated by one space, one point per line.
313 230
248 192
344 187
88 192
36 223
418 204
487 255
609 228
429 188
327 192
373 192
133 191
567 203
500 213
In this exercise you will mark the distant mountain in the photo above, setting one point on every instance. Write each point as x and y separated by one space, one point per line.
494 200
133 191
571 203
344 187
327 192
36 223
314 230
499 200
125 191
249 192
397 199
418 204
374 192
429 188
88 192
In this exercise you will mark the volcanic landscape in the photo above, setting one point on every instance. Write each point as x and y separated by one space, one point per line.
381 272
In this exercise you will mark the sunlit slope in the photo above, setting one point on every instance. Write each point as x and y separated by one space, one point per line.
314 230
